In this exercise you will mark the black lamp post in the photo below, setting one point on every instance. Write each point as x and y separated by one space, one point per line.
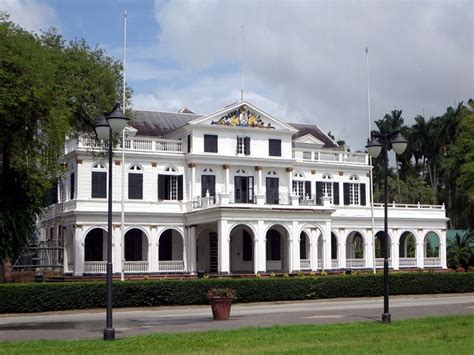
380 143
109 123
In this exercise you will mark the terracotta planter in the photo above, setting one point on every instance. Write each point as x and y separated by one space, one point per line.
220 307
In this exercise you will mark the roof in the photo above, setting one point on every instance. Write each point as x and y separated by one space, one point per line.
315 131
153 123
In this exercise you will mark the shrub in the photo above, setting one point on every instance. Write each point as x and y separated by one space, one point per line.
41 297
221 293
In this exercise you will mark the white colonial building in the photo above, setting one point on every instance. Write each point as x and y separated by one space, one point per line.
236 191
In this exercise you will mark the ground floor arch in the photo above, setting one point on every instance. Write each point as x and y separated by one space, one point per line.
207 251
95 245
380 242
407 246
171 251
277 249
135 251
241 249
431 245
355 250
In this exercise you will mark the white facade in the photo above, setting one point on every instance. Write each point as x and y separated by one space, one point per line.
307 208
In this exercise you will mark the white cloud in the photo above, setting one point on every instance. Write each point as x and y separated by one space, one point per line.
305 61
33 15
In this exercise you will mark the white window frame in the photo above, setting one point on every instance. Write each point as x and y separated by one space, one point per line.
354 190
328 187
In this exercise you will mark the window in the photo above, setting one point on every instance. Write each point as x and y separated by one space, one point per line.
306 155
246 246
354 192
327 188
135 183
208 184
99 181
210 143
274 147
170 187
243 145
301 188
72 186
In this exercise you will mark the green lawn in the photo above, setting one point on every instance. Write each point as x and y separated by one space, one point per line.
443 335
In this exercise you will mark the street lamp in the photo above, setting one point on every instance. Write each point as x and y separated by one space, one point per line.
380 143
115 121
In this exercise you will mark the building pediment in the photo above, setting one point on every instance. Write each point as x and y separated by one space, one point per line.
243 115
309 139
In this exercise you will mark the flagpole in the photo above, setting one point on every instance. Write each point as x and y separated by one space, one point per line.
242 69
122 225
371 175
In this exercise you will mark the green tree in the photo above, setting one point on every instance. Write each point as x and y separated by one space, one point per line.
460 250
49 89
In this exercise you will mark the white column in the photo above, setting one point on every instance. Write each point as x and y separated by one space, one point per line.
192 249
261 248
78 252
313 250
223 247
342 250
369 251
193 181
420 252
260 181
395 255
227 178
116 250
295 263
290 182
327 265
442 248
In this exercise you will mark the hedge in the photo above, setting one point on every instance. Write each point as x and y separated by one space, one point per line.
41 297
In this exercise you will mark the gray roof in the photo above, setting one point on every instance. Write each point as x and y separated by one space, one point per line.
153 123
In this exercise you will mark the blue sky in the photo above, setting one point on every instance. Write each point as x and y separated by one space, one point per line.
305 60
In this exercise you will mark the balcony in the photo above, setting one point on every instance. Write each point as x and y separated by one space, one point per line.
331 157
141 144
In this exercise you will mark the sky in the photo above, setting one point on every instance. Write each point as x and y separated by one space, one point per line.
304 61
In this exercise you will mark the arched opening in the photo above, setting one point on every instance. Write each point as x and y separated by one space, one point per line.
136 251
355 251
170 251
241 250
95 251
305 263
320 251
431 249
380 248
333 246
407 250
277 249
207 251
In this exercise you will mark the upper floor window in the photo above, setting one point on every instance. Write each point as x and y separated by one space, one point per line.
208 182
99 181
210 143
274 147
170 185
243 145
307 155
135 183
301 188
327 186
354 192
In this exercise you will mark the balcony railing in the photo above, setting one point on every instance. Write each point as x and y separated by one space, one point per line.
404 205
407 262
132 144
430 262
171 266
273 265
305 264
95 267
335 264
355 263
328 156
379 262
320 264
135 266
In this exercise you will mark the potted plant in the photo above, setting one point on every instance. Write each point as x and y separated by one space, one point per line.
221 300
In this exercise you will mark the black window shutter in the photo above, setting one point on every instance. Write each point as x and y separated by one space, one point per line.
335 193
135 186
99 184
347 200
180 187
72 190
363 201
189 143
162 187
319 192
237 145
307 189
247 145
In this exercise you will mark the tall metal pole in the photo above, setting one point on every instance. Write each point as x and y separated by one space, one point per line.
386 317
109 331
122 224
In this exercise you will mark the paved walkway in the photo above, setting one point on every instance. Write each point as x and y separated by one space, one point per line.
89 324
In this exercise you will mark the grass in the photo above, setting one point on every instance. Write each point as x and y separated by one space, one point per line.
436 335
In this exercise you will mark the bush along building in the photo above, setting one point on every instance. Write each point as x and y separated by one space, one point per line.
235 191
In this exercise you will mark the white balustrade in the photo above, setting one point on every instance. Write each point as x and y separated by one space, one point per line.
379 263
430 262
133 144
335 263
171 266
320 264
95 267
273 265
135 266
407 262
355 263
305 264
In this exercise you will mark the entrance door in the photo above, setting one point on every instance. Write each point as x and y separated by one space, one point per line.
243 186
272 191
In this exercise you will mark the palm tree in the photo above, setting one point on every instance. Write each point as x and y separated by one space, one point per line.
460 250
